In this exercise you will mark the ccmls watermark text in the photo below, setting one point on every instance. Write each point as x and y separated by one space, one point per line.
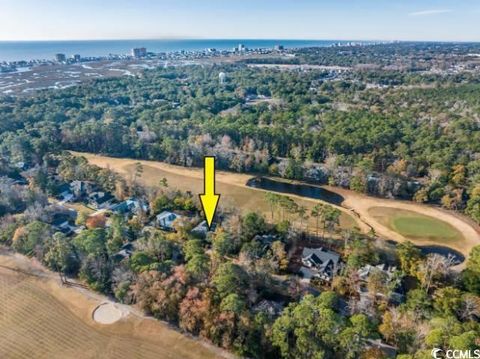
455 354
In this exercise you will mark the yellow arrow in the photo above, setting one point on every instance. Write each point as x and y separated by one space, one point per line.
209 198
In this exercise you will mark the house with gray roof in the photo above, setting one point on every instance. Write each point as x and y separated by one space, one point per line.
166 219
366 271
319 263
100 200
390 277
129 206
201 230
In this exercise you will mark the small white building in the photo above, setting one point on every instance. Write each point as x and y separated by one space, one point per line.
222 77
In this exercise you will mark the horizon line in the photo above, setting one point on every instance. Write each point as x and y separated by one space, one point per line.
194 39
239 39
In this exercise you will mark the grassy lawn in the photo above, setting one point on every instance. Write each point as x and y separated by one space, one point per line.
416 226
79 207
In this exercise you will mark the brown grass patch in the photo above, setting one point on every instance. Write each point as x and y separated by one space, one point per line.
41 319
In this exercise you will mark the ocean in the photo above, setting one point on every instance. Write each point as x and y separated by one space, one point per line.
46 50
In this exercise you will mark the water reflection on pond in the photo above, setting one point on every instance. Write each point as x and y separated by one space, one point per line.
298 189
444 251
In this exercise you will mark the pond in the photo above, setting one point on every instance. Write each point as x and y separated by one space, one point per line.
443 251
299 189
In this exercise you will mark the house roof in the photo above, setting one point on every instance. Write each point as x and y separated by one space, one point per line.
270 307
63 188
77 183
202 228
128 247
365 271
167 218
120 207
82 187
128 205
319 262
319 256
266 239
101 197
167 215
63 216
389 350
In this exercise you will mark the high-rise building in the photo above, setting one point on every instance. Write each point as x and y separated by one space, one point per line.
241 48
139 52
76 58
60 57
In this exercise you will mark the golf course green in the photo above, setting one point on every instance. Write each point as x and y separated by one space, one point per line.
416 226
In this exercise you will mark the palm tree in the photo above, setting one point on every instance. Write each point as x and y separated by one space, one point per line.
302 214
287 204
290 206
273 200
331 218
318 212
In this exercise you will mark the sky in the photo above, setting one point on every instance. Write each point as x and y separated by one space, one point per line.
439 20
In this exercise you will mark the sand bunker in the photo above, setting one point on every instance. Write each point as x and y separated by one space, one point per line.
107 313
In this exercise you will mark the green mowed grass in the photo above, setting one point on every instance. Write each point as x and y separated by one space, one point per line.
416 226
411 226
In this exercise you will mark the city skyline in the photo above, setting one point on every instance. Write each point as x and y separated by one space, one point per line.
444 20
